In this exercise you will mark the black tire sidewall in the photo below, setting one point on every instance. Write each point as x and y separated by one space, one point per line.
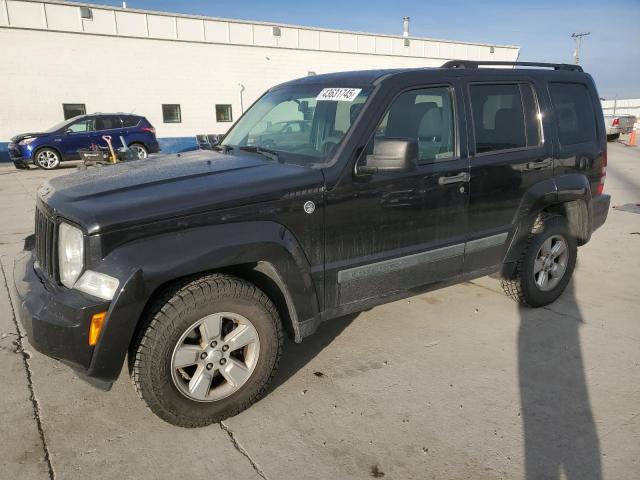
533 295
156 378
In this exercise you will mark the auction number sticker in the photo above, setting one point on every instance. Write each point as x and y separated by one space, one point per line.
339 94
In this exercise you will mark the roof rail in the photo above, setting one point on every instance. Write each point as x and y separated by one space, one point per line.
474 64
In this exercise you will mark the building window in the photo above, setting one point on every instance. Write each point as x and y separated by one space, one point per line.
171 113
86 13
71 110
223 113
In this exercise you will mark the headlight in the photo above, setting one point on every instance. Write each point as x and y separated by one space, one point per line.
97 284
70 254
26 141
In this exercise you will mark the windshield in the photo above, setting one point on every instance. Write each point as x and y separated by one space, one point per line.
58 126
303 124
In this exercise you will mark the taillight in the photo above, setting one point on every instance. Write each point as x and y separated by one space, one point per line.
603 173
149 129
616 122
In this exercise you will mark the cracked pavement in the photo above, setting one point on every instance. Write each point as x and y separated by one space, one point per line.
457 383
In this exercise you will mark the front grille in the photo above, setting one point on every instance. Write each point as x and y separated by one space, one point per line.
45 243
14 151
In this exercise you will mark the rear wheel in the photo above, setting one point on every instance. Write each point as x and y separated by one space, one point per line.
546 265
47 159
140 150
209 350
613 138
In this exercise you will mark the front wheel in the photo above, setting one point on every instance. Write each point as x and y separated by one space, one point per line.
209 350
546 265
47 159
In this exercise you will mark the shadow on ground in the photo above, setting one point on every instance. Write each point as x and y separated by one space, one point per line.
296 355
559 431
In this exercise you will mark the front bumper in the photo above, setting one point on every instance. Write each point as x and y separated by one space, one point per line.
55 319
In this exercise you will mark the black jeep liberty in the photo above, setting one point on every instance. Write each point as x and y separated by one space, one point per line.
407 180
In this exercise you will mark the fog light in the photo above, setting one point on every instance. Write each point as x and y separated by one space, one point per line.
97 320
97 284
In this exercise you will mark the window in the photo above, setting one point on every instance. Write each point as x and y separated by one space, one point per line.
574 113
171 113
128 122
499 121
86 13
82 126
301 127
223 113
108 123
425 115
71 110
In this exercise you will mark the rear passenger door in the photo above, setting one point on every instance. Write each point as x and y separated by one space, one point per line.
508 156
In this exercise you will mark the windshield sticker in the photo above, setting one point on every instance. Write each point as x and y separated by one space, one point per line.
339 94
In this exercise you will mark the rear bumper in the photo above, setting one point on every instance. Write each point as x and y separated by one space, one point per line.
599 210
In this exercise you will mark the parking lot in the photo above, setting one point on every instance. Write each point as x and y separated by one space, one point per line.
457 383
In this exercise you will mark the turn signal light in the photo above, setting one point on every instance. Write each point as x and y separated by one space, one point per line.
97 320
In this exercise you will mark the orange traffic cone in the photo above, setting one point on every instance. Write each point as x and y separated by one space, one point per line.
632 138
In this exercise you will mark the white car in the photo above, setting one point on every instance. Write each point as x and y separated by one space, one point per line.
618 124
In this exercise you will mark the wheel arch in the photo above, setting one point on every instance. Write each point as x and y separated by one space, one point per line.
50 147
567 195
264 253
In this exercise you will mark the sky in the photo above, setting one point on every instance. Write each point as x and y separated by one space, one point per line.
542 28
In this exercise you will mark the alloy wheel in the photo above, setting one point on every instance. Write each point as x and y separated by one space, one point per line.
47 159
551 263
215 357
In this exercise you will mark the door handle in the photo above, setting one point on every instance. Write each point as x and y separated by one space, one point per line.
460 178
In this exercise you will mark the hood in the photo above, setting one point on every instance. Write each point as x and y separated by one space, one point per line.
22 136
143 191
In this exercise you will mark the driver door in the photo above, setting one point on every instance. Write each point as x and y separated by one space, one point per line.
390 233
78 135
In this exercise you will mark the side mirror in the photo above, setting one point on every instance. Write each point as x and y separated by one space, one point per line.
391 155
68 131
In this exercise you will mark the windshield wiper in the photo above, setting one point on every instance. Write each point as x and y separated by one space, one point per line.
270 154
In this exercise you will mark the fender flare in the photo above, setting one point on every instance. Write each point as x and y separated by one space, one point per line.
266 246
568 194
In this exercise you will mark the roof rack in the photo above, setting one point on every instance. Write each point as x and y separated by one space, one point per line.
474 64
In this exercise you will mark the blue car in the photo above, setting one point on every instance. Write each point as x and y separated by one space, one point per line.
62 142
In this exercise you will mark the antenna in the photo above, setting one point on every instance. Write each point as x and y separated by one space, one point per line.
577 38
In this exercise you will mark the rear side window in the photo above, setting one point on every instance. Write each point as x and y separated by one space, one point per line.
498 117
130 121
107 123
573 112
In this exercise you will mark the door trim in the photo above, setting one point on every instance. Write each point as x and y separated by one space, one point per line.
415 259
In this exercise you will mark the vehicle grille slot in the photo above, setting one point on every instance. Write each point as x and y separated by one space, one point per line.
45 243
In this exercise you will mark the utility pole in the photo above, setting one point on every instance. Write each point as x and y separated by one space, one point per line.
577 38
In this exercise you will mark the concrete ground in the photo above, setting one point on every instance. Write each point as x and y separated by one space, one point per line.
458 383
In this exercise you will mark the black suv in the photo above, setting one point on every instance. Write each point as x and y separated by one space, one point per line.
408 180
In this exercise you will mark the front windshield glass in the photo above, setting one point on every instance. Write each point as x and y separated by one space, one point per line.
302 124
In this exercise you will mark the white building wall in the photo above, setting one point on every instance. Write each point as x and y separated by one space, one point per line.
135 61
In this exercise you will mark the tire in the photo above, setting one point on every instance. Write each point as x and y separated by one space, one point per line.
173 325
613 138
141 150
528 286
46 159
